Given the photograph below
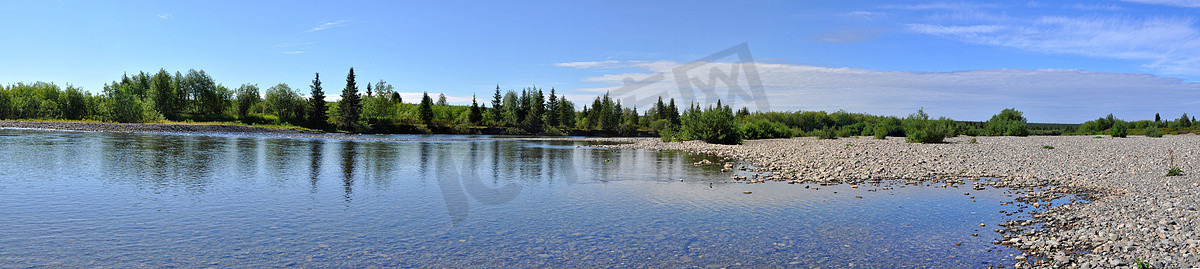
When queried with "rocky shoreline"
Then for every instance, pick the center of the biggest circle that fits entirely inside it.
(1133, 210)
(143, 127)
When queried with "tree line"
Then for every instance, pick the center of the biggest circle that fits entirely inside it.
(194, 96)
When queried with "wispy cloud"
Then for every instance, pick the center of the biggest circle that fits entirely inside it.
(953, 30)
(164, 16)
(1169, 45)
(1174, 3)
(847, 35)
(942, 6)
(1046, 95)
(608, 63)
(865, 15)
(294, 52)
(1086, 7)
(328, 25)
(291, 44)
(1163, 45)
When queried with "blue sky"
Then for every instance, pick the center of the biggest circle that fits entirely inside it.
(1059, 61)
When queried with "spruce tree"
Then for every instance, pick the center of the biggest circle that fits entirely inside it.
(497, 105)
(426, 109)
(350, 106)
(552, 114)
(396, 98)
(660, 110)
(316, 105)
(476, 113)
(673, 112)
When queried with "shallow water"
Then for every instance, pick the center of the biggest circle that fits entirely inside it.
(81, 199)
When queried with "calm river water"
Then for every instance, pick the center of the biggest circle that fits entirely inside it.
(81, 199)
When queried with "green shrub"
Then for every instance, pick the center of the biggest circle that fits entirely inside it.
(462, 128)
(713, 125)
(423, 129)
(1119, 129)
(881, 132)
(122, 107)
(627, 129)
(920, 129)
(659, 126)
(1009, 122)
(1016, 128)
(1048, 147)
(765, 129)
(551, 131)
(671, 134)
(1153, 132)
(826, 133)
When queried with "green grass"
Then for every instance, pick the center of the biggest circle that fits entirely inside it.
(1174, 171)
(1048, 147)
(1140, 264)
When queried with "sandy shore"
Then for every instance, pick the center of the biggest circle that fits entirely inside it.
(142, 127)
(1135, 210)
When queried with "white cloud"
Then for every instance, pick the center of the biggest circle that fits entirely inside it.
(587, 64)
(1093, 7)
(847, 35)
(953, 30)
(941, 6)
(1046, 95)
(291, 44)
(164, 16)
(1176, 3)
(328, 25)
(865, 15)
(1166, 45)
(294, 52)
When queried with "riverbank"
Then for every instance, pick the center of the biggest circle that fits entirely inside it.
(1135, 210)
(147, 127)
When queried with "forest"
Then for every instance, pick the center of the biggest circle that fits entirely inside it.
(195, 97)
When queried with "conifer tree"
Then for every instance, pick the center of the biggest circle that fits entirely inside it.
(316, 105)
(350, 106)
(497, 106)
(476, 113)
(552, 114)
(426, 109)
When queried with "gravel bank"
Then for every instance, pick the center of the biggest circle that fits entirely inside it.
(142, 127)
(1135, 211)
